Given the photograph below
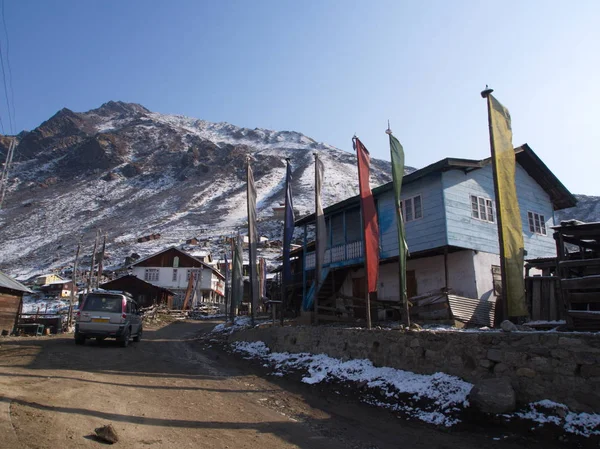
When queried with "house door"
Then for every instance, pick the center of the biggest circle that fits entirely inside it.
(359, 287)
(411, 284)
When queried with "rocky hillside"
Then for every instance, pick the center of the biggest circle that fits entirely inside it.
(132, 172)
(587, 210)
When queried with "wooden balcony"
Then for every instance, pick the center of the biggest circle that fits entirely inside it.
(338, 256)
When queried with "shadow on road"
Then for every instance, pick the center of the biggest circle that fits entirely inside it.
(165, 351)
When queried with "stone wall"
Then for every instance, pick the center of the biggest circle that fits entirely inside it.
(561, 367)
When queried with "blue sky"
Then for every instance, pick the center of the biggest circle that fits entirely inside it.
(328, 69)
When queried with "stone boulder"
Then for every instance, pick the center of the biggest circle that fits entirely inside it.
(508, 326)
(493, 396)
(107, 433)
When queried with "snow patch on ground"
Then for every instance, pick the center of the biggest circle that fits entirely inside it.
(436, 399)
(550, 412)
(54, 306)
(241, 322)
(440, 397)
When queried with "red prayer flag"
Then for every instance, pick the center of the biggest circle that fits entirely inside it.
(369, 214)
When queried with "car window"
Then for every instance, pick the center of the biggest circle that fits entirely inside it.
(102, 303)
(128, 306)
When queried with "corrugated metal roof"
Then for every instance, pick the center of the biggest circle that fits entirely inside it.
(472, 311)
(8, 282)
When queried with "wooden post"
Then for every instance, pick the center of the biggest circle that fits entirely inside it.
(74, 280)
(560, 273)
(367, 297)
(283, 297)
(304, 249)
(92, 265)
(227, 288)
(101, 263)
(318, 267)
(446, 268)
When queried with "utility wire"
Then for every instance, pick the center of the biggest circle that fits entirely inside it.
(11, 129)
(10, 86)
(10, 110)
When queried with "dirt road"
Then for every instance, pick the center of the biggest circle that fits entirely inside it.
(171, 391)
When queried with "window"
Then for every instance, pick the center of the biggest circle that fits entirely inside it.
(151, 275)
(482, 208)
(189, 272)
(103, 303)
(537, 223)
(411, 208)
(497, 280)
(174, 279)
(353, 226)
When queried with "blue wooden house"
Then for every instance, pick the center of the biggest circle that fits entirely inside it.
(450, 221)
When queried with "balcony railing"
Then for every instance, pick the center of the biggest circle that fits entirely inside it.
(338, 253)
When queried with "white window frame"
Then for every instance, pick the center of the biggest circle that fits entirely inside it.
(488, 208)
(413, 211)
(537, 223)
(151, 274)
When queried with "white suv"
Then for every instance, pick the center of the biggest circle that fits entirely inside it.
(108, 314)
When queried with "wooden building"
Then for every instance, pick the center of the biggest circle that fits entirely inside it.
(172, 268)
(578, 253)
(58, 289)
(11, 295)
(452, 234)
(46, 279)
(144, 293)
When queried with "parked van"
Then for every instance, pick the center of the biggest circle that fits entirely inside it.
(108, 314)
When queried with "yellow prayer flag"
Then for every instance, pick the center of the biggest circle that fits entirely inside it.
(509, 216)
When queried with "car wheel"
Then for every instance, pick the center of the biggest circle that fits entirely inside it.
(125, 338)
(138, 337)
(79, 339)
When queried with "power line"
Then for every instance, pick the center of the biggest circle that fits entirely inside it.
(11, 128)
(9, 110)
(10, 86)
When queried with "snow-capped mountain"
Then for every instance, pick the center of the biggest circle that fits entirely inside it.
(131, 172)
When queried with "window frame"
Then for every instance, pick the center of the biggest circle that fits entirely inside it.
(537, 220)
(413, 210)
(151, 274)
(488, 208)
(190, 271)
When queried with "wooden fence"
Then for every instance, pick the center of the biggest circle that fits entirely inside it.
(543, 298)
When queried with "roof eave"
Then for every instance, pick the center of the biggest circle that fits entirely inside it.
(560, 196)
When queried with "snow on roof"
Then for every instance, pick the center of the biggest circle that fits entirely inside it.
(201, 253)
(64, 281)
(47, 275)
(8, 282)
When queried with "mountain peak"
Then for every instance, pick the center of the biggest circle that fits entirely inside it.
(120, 107)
